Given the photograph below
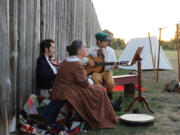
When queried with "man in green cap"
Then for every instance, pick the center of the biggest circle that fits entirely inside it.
(108, 55)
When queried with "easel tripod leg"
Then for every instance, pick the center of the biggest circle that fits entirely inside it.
(131, 104)
(144, 100)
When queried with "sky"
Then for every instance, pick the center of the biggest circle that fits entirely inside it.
(135, 18)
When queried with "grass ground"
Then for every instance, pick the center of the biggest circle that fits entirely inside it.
(165, 105)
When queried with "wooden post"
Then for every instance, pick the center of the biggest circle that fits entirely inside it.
(52, 19)
(89, 35)
(21, 53)
(154, 68)
(36, 41)
(83, 33)
(5, 82)
(47, 33)
(43, 19)
(177, 39)
(29, 46)
(158, 55)
(13, 35)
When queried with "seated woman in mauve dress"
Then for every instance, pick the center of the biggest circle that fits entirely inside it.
(71, 84)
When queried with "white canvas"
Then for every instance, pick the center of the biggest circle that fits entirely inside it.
(147, 64)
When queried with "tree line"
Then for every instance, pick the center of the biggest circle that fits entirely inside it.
(169, 45)
(118, 43)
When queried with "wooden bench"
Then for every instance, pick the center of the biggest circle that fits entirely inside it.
(129, 82)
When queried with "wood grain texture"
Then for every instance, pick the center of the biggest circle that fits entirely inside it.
(24, 23)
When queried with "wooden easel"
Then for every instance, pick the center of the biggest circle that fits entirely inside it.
(139, 98)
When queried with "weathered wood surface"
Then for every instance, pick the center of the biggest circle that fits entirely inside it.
(24, 23)
(5, 82)
(13, 54)
(36, 40)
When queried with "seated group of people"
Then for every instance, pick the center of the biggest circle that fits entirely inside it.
(71, 83)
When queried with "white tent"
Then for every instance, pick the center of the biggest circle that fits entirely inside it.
(147, 64)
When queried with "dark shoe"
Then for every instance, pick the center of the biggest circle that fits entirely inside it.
(116, 108)
(109, 95)
(119, 101)
(117, 104)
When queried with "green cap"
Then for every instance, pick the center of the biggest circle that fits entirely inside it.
(102, 36)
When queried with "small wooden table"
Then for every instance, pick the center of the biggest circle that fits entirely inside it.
(129, 82)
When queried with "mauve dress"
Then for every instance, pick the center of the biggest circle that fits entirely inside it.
(90, 101)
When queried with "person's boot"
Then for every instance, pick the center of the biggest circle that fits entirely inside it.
(109, 95)
(117, 104)
(119, 101)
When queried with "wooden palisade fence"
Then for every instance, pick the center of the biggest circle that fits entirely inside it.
(23, 24)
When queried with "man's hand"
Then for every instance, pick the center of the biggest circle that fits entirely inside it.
(55, 62)
(91, 63)
(115, 66)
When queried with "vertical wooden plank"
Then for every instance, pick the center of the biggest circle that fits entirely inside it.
(68, 28)
(61, 23)
(65, 42)
(80, 20)
(49, 18)
(58, 27)
(47, 34)
(89, 23)
(21, 54)
(29, 46)
(95, 25)
(5, 83)
(52, 19)
(13, 32)
(76, 20)
(64, 25)
(36, 41)
(43, 19)
(70, 19)
(84, 19)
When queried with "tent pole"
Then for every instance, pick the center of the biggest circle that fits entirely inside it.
(158, 54)
(177, 38)
(154, 68)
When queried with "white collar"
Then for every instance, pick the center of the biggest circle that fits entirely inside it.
(72, 58)
(52, 66)
(47, 57)
(106, 48)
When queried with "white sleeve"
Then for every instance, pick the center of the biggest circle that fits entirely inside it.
(111, 58)
(85, 60)
(92, 52)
